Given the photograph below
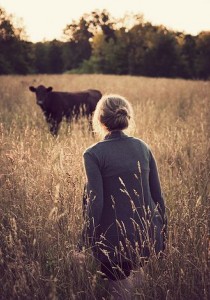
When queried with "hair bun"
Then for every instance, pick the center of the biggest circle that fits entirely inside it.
(121, 112)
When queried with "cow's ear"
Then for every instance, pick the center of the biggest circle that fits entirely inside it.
(49, 89)
(32, 89)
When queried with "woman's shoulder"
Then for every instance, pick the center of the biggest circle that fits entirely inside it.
(94, 148)
(140, 142)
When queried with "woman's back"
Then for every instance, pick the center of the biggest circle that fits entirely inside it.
(126, 204)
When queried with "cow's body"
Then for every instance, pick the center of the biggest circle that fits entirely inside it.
(57, 105)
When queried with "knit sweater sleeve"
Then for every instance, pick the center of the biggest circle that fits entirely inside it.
(94, 204)
(155, 187)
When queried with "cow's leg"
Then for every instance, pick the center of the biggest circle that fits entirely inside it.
(76, 115)
(69, 122)
(90, 122)
(54, 125)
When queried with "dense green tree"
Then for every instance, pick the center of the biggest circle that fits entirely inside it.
(102, 22)
(203, 54)
(154, 51)
(111, 44)
(78, 36)
(162, 60)
(55, 57)
(7, 37)
(41, 63)
(188, 56)
(14, 57)
(111, 55)
(139, 43)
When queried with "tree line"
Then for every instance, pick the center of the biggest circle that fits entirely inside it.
(98, 43)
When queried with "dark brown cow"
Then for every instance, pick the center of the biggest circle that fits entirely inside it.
(56, 105)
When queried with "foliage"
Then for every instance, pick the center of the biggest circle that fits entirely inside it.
(98, 43)
(55, 58)
(14, 52)
(78, 35)
(41, 63)
(202, 58)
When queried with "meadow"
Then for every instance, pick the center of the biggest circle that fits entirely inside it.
(42, 179)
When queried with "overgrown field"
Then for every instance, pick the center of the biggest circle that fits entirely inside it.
(42, 178)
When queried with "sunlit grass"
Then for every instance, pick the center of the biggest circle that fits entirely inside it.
(42, 179)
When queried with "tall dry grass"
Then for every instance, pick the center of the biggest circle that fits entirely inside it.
(42, 178)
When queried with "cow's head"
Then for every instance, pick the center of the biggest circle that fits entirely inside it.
(41, 93)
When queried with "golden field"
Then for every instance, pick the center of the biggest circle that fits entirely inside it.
(42, 179)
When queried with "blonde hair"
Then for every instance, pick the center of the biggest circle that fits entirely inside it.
(113, 112)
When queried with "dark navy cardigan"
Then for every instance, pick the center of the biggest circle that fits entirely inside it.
(124, 206)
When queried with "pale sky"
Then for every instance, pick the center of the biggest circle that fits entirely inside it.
(46, 19)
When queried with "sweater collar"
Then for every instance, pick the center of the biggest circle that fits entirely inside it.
(115, 134)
